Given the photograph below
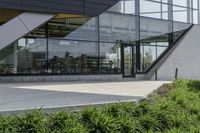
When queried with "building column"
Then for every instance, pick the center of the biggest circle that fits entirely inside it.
(198, 11)
(192, 17)
(188, 11)
(97, 35)
(15, 57)
(170, 18)
(47, 47)
(137, 30)
(161, 9)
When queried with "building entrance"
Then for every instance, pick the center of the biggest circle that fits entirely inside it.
(128, 60)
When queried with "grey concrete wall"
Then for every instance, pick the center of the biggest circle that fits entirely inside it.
(185, 56)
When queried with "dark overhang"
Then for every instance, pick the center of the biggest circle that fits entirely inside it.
(83, 7)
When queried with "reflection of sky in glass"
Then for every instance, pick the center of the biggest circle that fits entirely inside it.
(156, 9)
(180, 2)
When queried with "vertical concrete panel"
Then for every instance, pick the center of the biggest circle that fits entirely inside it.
(185, 57)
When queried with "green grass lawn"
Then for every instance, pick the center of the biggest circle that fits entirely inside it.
(177, 110)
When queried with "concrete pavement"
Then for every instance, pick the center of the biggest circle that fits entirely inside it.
(23, 96)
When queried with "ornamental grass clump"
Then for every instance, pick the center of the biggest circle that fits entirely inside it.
(142, 109)
(98, 121)
(64, 122)
(194, 85)
(33, 122)
(7, 124)
(119, 109)
(128, 124)
(123, 114)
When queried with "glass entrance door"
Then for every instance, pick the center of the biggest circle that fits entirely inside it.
(128, 60)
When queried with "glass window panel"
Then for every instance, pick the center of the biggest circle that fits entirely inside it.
(7, 59)
(110, 58)
(32, 56)
(158, 0)
(180, 2)
(162, 43)
(88, 31)
(195, 16)
(164, 7)
(129, 6)
(154, 29)
(63, 25)
(154, 11)
(178, 26)
(73, 57)
(179, 14)
(164, 1)
(165, 15)
(149, 56)
(113, 29)
(195, 4)
(179, 29)
(119, 7)
(68, 25)
(25, 56)
(160, 50)
(165, 11)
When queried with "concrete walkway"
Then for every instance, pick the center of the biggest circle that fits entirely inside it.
(22, 96)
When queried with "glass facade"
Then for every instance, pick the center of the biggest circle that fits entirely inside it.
(73, 44)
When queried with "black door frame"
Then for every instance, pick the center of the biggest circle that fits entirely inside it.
(123, 45)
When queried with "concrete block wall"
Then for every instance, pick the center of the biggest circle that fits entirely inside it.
(185, 57)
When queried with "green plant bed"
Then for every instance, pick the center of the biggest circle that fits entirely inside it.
(170, 109)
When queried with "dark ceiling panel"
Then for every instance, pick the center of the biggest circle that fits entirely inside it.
(63, 6)
(13, 4)
(83, 7)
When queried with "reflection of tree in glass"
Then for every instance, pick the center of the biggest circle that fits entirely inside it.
(25, 61)
(148, 58)
(83, 63)
(68, 62)
(127, 61)
(114, 61)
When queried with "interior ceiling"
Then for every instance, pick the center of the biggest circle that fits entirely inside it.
(67, 16)
(6, 15)
(61, 25)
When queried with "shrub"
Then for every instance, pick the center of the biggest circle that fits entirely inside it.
(175, 130)
(194, 84)
(30, 123)
(128, 124)
(148, 122)
(163, 113)
(118, 109)
(64, 122)
(98, 121)
(194, 108)
(195, 128)
(142, 109)
(7, 125)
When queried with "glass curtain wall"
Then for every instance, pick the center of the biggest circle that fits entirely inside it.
(7, 64)
(72, 44)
